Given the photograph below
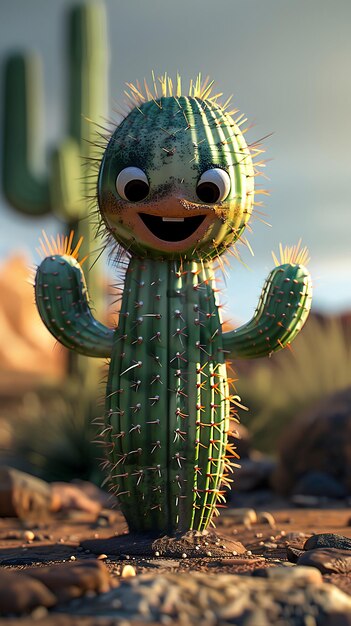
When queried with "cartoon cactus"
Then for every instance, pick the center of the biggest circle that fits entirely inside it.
(63, 190)
(175, 190)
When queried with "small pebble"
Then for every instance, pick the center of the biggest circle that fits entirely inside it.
(102, 557)
(39, 612)
(72, 558)
(157, 553)
(244, 516)
(266, 518)
(184, 556)
(128, 571)
(28, 535)
(208, 553)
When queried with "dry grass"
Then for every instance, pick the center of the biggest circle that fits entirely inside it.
(277, 390)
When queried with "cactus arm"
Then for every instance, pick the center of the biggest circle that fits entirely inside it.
(282, 310)
(63, 303)
(23, 186)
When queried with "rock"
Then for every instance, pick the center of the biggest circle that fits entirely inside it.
(208, 599)
(335, 619)
(20, 593)
(319, 441)
(308, 502)
(293, 553)
(23, 495)
(302, 573)
(72, 580)
(327, 560)
(295, 536)
(328, 540)
(254, 473)
(319, 484)
(240, 515)
(264, 517)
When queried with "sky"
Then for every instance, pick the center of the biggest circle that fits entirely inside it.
(287, 64)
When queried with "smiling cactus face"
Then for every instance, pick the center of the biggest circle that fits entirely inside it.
(176, 179)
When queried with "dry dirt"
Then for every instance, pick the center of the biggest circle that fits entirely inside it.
(265, 539)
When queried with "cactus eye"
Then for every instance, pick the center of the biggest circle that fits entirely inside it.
(132, 184)
(213, 186)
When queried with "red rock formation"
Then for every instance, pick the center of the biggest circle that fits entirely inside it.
(25, 344)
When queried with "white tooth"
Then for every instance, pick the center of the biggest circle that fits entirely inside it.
(173, 219)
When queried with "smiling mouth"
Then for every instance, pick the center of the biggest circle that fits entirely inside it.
(172, 228)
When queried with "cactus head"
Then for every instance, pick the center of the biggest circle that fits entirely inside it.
(176, 179)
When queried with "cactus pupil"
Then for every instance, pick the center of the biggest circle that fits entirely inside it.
(208, 192)
(136, 190)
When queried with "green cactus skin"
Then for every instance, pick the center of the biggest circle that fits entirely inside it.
(63, 301)
(282, 310)
(61, 191)
(167, 413)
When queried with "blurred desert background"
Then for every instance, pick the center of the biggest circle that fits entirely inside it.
(286, 64)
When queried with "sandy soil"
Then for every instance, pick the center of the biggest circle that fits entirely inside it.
(265, 539)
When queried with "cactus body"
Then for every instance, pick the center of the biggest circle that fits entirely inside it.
(167, 407)
(61, 190)
(175, 190)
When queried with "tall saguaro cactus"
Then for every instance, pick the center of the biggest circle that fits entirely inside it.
(64, 187)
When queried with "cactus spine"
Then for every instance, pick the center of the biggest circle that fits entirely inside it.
(175, 190)
(61, 190)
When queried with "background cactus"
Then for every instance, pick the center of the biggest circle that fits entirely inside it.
(175, 190)
(63, 190)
